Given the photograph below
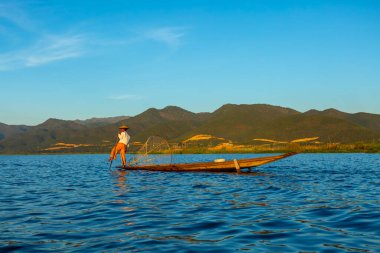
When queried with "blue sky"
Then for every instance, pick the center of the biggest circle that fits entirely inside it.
(83, 59)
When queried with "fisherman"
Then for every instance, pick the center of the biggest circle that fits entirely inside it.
(121, 146)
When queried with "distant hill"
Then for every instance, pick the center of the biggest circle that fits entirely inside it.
(367, 120)
(6, 131)
(94, 122)
(170, 122)
(239, 124)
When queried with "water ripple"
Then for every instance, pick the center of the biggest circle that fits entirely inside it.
(306, 203)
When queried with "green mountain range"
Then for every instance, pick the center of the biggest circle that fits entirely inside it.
(239, 124)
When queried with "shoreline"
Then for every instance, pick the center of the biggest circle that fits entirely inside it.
(210, 153)
(360, 147)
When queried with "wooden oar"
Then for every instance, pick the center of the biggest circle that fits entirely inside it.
(109, 168)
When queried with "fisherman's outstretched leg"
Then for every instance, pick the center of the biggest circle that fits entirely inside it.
(113, 154)
(122, 155)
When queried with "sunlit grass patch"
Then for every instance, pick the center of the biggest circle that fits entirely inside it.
(62, 145)
(305, 139)
(201, 137)
(269, 140)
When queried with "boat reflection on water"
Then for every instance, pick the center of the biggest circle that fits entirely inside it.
(122, 189)
(120, 179)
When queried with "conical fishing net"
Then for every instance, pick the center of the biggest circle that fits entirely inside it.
(156, 150)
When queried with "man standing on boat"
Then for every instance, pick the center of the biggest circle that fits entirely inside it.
(121, 146)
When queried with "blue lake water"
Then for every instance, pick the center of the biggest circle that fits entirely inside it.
(305, 203)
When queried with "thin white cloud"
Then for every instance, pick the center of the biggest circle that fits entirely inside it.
(13, 13)
(170, 36)
(126, 97)
(41, 47)
(55, 49)
(46, 50)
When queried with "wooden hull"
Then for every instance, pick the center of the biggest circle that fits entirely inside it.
(227, 166)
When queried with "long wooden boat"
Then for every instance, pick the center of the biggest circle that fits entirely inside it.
(223, 166)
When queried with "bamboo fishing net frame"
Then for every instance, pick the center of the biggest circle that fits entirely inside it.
(156, 150)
